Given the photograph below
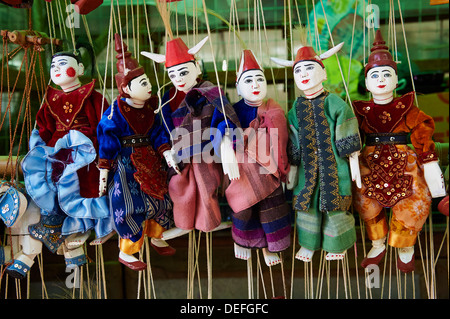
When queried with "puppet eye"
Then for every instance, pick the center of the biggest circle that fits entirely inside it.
(144, 84)
(184, 73)
(260, 79)
(172, 76)
(297, 71)
(309, 68)
(374, 76)
(62, 63)
(248, 81)
(387, 75)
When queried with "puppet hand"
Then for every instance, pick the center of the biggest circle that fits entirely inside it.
(229, 162)
(434, 179)
(292, 177)
(103, 181)
(354, 168)
(169, 155)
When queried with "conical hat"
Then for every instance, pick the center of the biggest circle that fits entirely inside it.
(248, 62)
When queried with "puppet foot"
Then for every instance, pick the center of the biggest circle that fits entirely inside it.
(334, 256)
(405, 260)
(223, 225)
(75, 257)
(304, 254)
(376, 253)
(20, 266)
(270, 258)
(5, 254)
(162, 247)
(131, 262)
(241, 252)
(77, 239)
(173, 233)
(101, 240)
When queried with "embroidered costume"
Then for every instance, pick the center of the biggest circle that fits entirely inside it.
(60, 170)
(131, 145)
(391, 171)
(324, 131)
(262, 216)
(194, 192)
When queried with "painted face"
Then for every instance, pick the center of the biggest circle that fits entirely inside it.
(184, 76)
(381, 80)
(65, 70)
(309, 75)
(139, 88)
(252, 86)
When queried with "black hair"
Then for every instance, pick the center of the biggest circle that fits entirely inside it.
(76, 54)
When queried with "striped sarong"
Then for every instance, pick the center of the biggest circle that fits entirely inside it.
(266, 224)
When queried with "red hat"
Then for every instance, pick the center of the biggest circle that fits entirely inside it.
(128, 68)
(380, 55)
(177, 53)
(248, 62)
(307, 53)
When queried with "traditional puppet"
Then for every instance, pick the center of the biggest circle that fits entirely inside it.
(60, 170)
(18, 211)
(393, 175)
(261, 217)
(197, 115)
(132, 143)
(324, 138)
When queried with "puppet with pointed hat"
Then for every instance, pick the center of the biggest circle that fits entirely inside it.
(261, 218)
(194, 105)
(393, 175)
(60, 170)
(324, 138)
(132, 144)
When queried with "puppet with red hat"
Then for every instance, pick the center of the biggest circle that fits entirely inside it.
(194, 105)
(261, 218)
(323, 150)
(132, 145)
(393, 175)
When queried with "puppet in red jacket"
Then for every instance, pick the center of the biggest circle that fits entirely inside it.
(60, 170)
(261, 218)
(393, 175)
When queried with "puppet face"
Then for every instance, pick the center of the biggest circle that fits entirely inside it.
(139, 88)
(381, 80)
(184, 76)
(252, 86)
(309, 75)
(65, 70)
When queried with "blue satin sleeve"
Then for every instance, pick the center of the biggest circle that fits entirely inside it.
(158, 133)
(108, 134)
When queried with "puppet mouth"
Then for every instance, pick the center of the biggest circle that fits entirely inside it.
(381, 86)
(181, 85)
(305, 81)
(58, 75)
(256, 92)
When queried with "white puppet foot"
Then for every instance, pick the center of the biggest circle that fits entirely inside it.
(304, 254)
(174, 233)
(241, 252)
(77, 239)
(334, 256)
(405, 260)
(101, 240)
(162, 247)
(270, 258)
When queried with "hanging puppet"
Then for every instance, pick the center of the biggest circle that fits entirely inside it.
(132, 143)
(18, 211)
(60, 170)
(324, 138)
(393, 175)
(197, 115)
(261, 217)
(84, 6)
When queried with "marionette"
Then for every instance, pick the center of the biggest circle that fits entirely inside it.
(324, 140)
(197, 115)
(84, 6)
(18, 211)
(60, 170)
(261, 217)
(393, 175)
(132, 144)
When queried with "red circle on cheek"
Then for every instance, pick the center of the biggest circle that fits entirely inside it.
(71, 72)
